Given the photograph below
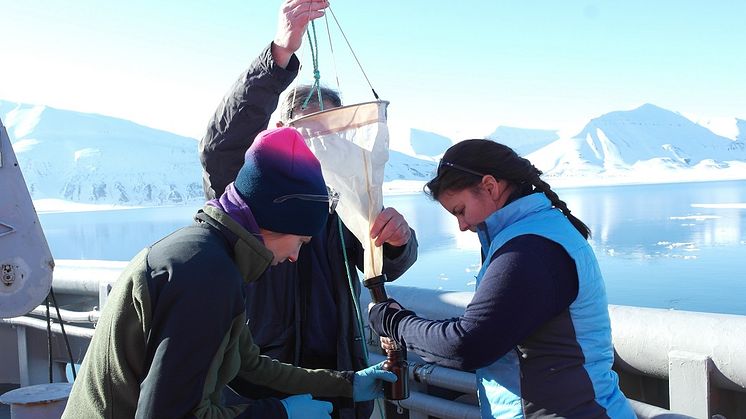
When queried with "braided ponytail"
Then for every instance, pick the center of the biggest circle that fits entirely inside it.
(544, 187)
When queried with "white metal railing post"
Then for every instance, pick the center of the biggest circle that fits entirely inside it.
(689, 383)
(23, 357)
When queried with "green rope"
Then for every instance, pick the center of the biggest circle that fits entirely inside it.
(316, 74)
(355, 301)
(358, 313)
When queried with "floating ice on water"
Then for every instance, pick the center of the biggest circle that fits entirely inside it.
(684, 257)
(733, 205)
(472, 268)
(686, 245)
(696, 217)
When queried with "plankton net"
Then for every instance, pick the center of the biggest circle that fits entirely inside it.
(352, 144)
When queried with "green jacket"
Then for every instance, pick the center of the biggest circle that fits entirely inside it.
(173, 333)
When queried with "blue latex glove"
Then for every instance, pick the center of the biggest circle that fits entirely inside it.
(367, 383)
(304, 406)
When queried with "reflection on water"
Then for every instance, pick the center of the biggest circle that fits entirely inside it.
(631, 221)
(110, 235)
(674, 246)
(670, 246)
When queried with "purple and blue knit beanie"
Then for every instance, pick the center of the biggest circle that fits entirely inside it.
(281, 182)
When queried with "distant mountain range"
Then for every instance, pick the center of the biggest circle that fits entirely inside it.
(99, 159)
(646, 144)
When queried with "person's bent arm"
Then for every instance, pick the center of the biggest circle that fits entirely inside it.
(263, 370)
(246, 109)
(516, 296)
(188, 345)
(242, 114)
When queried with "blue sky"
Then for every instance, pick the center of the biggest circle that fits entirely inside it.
(456, 68)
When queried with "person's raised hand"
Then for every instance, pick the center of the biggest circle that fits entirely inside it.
(291, 26)
(390, 227)
(303, 406)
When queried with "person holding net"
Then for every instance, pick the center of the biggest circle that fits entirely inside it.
(308, 310)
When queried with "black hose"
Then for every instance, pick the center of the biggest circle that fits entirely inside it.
(49, 340)
(64, 335)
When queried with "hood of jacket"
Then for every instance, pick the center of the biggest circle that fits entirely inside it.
(247, 247)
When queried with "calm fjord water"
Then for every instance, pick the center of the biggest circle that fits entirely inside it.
(679, 246)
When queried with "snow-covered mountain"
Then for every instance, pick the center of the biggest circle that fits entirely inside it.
(98, 159)
(428, 145)
(649, 132)
(404, 167)
(732, 128)
(90, 158)
(645, 144)
(523, 140)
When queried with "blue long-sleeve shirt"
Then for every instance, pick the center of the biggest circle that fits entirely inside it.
(529, 281)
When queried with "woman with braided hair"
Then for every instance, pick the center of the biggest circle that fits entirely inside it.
(537, 329)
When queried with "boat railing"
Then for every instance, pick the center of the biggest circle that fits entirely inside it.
(671, 363)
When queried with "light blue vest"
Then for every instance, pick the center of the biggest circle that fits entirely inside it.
(499, 384)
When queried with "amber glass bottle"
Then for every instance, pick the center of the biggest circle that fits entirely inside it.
(396, 359)
(396, 362)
